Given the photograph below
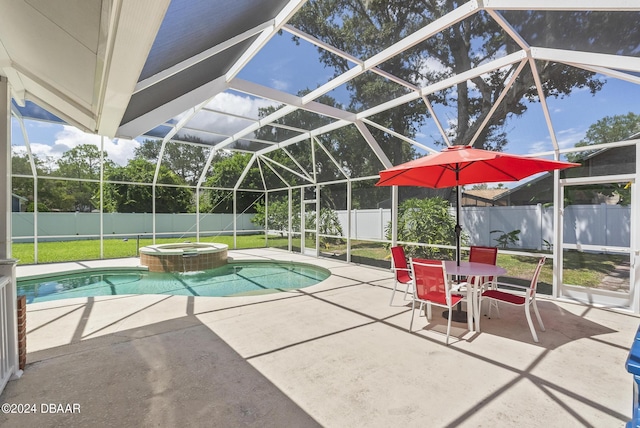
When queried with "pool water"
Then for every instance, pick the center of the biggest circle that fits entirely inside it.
(233, 279)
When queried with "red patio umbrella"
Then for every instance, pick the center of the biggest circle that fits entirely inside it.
(460, 165)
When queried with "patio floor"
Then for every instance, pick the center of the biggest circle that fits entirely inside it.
(335, 355)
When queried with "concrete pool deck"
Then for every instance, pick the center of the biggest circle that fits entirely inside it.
(334, 355)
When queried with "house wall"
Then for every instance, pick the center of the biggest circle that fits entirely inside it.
(613, 161)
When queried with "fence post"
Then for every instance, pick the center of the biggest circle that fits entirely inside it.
(541, 229)
(355, 223)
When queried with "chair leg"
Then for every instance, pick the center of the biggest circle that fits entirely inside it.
(393, 293)
(477, 311)
(449, 325)
(406, 291)
(413, 308)
(535, 309)
(473, 295)
(495, 304)
(527, 313)
(428, 312)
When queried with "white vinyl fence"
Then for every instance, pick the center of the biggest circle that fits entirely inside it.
(603, 224)
(584, 224)
(58, 225)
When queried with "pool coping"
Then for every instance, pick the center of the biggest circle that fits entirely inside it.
(133, 269)
(82, 270)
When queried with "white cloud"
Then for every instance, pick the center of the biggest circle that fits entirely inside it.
(566, 138)
(238, 104)
(432, 65)
(119, 150)
(569, 137)
(539, 146)
(243, 106)
(52, 145)
(280, 85)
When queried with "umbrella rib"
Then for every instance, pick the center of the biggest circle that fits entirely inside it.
(513, 178)
(392, 177)
(437, 180)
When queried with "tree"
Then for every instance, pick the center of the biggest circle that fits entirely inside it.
(481, 186)
(122, 194)
(186, 160)
(278, 219)
(81, 162)
(20, 163)
(52, 194)
(609, 129)
(329, 225)
(347, 146)
(361, 27)
(427, 221)
(278, 216)
(225, 173)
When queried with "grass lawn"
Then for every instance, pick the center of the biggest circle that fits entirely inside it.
(64, 251)
(580, 268)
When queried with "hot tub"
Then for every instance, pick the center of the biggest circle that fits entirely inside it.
(183, 257)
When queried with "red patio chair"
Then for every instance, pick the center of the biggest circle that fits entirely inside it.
(487, 255)
(527, 299)
(402, 271)
(479, 254)
(432, 287)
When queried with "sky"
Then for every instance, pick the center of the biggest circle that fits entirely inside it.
(288, 67)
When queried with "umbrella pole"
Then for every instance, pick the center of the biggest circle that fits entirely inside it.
(458, 227)
(458, 315)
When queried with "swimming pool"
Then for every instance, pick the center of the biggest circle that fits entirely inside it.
(233, 279)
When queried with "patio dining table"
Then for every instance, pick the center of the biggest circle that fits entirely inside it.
(475, 272)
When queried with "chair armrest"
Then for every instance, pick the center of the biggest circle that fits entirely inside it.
(516, 286)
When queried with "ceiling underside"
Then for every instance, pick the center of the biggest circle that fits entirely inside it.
(162, 68)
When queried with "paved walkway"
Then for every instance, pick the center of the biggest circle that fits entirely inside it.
(618, 279)
(335, 355)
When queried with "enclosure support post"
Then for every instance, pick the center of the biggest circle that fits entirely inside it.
(317, 189)
(558, 220)
(5, 167)
(235, 220)
(302, 221)
(266, 219)
(34, 175)
(198, 212)
(348, 221)
(101, 197)
(153, 213)
(289, 223)
(394, 216)
(9, 359)
(634, 274)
